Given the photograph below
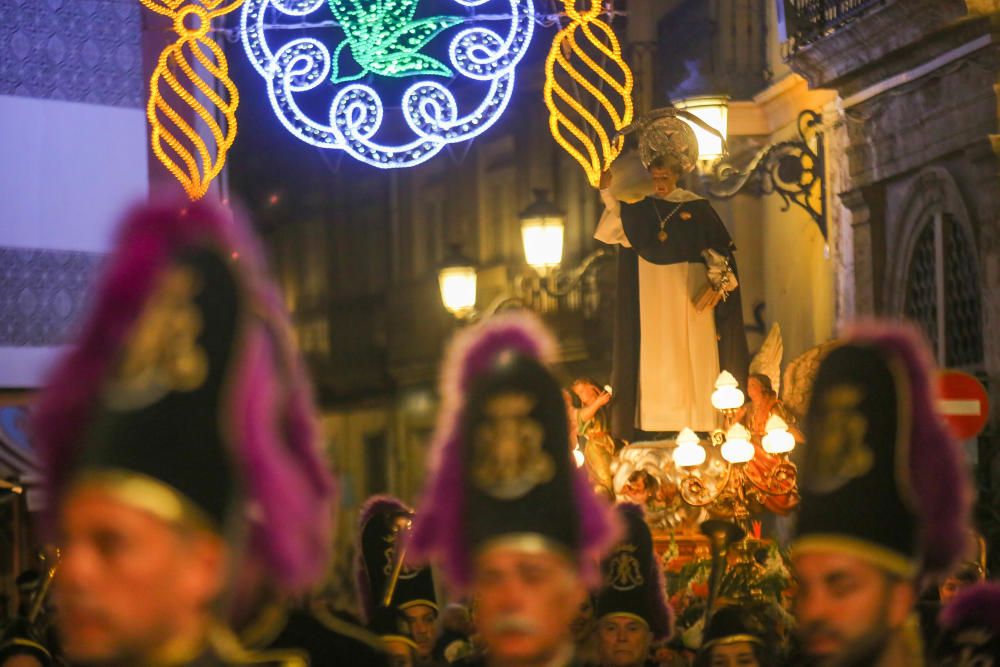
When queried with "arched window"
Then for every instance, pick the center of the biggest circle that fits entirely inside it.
(943, 293)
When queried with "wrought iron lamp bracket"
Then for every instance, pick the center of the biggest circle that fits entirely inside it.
(557, 282)
(793, 170)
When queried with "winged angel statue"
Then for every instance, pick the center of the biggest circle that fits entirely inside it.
(357, 48)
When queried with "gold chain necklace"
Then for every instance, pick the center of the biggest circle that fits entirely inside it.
(662, 234)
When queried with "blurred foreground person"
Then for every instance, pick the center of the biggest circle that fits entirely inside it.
(970, 628)
(179, 447)
(631, 609)
(885, 500)
(398, 600)
(509, 516)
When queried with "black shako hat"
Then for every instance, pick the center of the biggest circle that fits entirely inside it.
(732, 624)
(883, 479)
(632, 579)
(382, 569)
(185, 397)
(168, 392)
(501, 468)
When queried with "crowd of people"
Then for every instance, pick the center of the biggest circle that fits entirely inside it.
(192, 506)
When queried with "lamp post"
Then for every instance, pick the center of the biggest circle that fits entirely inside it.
(457, 282)
(713, 110)
(734, 495)
(542, 232)
(795, 170)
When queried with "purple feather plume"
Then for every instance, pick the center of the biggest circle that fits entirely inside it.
(976, 605)
(941, 489)
(439, 528)
(374, 506)
(271, 408)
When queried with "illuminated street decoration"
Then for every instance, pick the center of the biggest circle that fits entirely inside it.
(186, 73)
(587, 140)
(385, 40)
(382, 41)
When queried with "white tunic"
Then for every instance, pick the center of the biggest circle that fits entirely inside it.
(678, 348)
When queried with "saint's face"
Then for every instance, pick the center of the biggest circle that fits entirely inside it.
(130, 585)
(623, 641)
(846, 607)
(525, 603)
(664, 181)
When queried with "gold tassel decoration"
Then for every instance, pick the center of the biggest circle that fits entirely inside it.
(185, 75)
(576, 128)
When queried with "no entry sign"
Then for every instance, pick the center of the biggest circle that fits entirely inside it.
(963, 403)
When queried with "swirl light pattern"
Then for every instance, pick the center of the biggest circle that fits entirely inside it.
(385, 42)
(180, 79)
(575, 127)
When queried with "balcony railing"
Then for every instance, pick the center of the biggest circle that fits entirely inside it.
(809, 20)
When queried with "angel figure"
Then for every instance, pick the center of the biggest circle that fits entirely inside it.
(762, 391)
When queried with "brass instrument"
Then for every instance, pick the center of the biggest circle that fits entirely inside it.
(721, 535)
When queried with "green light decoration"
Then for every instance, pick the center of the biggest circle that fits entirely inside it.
(385, 40)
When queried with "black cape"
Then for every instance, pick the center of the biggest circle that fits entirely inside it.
(687, 238)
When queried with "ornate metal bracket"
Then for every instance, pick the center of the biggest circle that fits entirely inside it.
(557, 282)
(792, 169)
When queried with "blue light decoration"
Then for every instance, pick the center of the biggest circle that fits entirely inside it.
(382, 42)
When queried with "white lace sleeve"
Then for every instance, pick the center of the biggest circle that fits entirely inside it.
(609, 227)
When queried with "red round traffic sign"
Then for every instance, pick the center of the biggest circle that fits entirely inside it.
(963, 403)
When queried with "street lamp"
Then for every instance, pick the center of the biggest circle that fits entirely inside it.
(542, 230)
(713, 110)
(457, 282)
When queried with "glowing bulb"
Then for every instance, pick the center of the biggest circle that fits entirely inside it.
(727, 395)
(778, 440)
(458, 288)
(714, 111)
(578, 457)
(543, 242)
(737, 448)
(689, 452)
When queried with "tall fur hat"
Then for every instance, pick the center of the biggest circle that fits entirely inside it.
(494, 375)
(883, 477)
(183, 393)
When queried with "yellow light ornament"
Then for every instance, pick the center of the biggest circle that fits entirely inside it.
(566, 113)
(180, 75)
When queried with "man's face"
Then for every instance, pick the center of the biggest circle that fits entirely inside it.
(421, 619)
(525, 603)
(623, 641)
(847, 608)
(129, 583)
(664, 181)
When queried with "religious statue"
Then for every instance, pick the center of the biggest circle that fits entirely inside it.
(678, 318)
(593, 432)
